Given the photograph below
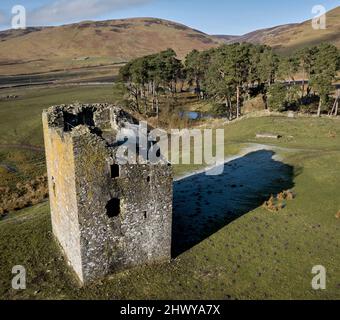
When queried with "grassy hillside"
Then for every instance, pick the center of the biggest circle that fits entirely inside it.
(290, 37)
(88, 44)
(94, 43)
(258, 255)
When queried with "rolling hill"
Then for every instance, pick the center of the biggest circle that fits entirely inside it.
(112, 42)
(287, 38)
(93, 43)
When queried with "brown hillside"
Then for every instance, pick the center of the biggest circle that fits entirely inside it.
(88, 44)
(289, 37)
(94, 43)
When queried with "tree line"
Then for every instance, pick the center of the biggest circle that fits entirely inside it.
(232, 74)
(150, 77)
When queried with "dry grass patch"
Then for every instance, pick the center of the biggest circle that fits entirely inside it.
(338, 215)
(278, 202)
(23, 195)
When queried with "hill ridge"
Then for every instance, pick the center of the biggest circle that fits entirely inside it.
(94, 43)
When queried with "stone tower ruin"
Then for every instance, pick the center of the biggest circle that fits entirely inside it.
(106, 216)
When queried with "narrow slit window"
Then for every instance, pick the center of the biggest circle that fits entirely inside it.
(54, 187)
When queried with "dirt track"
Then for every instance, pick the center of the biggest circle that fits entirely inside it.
(23, 146)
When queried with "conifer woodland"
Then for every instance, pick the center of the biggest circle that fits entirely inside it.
(230, 75)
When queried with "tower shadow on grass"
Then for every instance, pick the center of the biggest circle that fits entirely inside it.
(204, 204)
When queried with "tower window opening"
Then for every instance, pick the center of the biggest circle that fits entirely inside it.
(86, 117)
(53, 186)
(113, 208)
(115, 171)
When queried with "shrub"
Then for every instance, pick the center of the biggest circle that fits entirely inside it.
(23, 195)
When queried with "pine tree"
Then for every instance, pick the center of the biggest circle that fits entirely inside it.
(326, 63)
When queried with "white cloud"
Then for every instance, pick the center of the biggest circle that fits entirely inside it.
(62, 11)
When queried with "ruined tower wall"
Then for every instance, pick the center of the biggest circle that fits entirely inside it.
(62, 189)
(107, 216)
(100, 235)
(147, 223)
(141, 231)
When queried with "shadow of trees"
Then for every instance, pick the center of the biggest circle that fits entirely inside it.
(204, 204)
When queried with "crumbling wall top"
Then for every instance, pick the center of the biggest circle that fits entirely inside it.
(103, 117)
(104, 123)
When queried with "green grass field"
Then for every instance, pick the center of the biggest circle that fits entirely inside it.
(21, 125)
(259, 255)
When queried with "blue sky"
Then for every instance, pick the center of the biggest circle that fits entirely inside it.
(213, 16)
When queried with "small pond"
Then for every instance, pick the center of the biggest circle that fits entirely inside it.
(193, 115)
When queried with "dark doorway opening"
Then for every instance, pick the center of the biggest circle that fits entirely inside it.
(115, 171)
(113, 208)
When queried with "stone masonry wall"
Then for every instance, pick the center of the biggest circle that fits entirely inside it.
(62, 189)
(79, 164)
(141, 233)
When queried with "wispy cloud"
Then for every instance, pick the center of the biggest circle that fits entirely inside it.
(62, 11)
